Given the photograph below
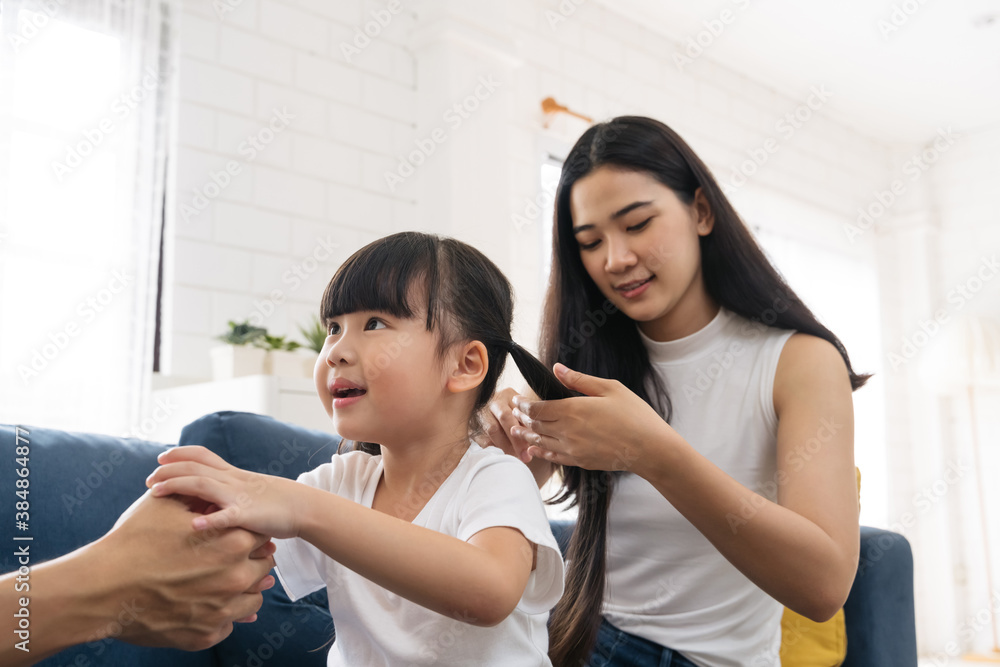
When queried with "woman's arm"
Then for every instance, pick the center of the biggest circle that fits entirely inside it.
(801, 550)
(479, 581)
(151, 581)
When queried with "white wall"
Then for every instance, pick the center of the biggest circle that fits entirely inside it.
(325, 173)
(260, 246)
(937, 249)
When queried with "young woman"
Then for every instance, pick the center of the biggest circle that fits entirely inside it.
(433, 550)
(710, 449)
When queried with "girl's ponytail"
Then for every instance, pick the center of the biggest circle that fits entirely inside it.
(577, 616)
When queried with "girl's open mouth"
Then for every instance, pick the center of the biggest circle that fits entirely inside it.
(344, 396)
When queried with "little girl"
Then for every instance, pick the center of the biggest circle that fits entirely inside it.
(434, 551)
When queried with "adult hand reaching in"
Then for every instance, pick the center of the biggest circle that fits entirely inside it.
(151, 580)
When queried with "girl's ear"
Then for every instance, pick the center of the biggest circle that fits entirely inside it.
(469, 369)
(704, 216)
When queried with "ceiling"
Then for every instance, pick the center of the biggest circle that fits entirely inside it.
(939, 66)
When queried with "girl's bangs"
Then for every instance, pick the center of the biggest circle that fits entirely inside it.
(381, 277)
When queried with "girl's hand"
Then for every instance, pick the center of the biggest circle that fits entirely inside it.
(259, 503)
(610, 428)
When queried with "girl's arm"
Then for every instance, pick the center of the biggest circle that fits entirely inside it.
(801, 550)
(479, 582)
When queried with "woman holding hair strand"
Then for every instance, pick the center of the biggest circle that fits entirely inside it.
(710, 445)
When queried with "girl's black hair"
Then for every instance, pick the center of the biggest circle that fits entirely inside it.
(466, 296)
(582, 330)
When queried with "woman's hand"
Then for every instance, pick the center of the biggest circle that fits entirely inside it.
(498, 420)
(609, 428)
(260, 503)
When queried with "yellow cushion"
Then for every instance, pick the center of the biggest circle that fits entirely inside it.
(806, 643)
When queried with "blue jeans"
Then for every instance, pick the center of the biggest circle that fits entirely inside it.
(615, 648)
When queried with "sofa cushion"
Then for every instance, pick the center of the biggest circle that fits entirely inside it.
(285, 633)
(79, 484)
(261, 444)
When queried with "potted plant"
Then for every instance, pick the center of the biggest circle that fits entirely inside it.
(240, 356)
(281, 356)
(315, 337)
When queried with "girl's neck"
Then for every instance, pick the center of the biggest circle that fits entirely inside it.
(413, 471)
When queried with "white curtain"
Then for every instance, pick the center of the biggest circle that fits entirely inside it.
(85, 89)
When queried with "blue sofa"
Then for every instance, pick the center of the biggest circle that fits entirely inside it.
(81, 483)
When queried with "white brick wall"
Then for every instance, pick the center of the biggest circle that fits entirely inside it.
(319, 177)
(354, 119)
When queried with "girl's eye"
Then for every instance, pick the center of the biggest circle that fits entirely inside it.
(374, 321)
(590, 246)
(332, 329)
(635, 228)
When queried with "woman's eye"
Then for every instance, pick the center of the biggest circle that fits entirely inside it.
(635, 228)
(374, 323)
(590, 246)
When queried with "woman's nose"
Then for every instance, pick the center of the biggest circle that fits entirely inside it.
(620, 256)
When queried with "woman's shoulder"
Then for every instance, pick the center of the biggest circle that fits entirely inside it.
(806, 364)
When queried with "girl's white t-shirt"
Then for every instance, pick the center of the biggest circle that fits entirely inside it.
(666, 582)
(377, 627)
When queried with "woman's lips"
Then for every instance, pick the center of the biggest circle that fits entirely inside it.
(634, 289)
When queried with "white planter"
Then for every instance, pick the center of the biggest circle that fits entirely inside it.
(286, 364)
(233, 361)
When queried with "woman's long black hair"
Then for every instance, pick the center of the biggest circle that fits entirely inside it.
(466, 296)
(583, 331)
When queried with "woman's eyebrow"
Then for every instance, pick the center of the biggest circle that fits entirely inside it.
(616, 215)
